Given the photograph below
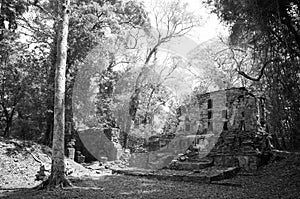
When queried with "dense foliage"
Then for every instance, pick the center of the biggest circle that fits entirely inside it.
(28, 54)
(269, 31)
(114, 40)
(110, 42)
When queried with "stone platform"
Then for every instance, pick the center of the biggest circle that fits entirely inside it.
(191, 166)
(206, 175)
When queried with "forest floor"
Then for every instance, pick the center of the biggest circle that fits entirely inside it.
(279, 179)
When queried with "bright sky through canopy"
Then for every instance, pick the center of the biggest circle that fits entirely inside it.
(211, 27)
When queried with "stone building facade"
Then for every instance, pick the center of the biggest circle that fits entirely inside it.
(225, 125)
(220, 128)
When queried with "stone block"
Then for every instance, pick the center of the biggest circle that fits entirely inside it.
(71, 153)
(229, 161)
(81, 159)
(103, 159)
(248, 163)
(191, 166)
(218, 160)
(243, 162)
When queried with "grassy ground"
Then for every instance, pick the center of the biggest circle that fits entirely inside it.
(279, 179)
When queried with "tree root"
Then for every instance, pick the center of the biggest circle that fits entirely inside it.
(54, 183)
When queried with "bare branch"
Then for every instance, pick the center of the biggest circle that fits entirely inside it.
(261, 70)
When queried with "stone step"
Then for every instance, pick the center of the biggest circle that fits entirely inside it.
(207, 175)
(191, 166)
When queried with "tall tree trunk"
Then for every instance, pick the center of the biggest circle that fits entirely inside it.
(7, 128)
(8, 119)
(134, 99)
(69, 99)
(57, 177)
(49, 102)
(48, 136)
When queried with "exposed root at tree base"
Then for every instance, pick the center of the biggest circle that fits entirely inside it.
(54, 183)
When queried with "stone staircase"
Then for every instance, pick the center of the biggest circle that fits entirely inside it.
(202, 176)
(191, 166)
(200, 171)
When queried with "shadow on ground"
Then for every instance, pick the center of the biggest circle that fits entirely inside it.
(279, 180)
(119, 186)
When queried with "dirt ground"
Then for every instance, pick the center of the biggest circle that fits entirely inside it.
(279, 179)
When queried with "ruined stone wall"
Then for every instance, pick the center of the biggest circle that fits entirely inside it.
(220, 126)
(235, 145)
(95, 145)
(224, 124)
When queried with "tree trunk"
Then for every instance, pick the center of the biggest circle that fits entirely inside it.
(8, 120)
(134, 99)
(7, 127)
(48, 136)
(57, 177)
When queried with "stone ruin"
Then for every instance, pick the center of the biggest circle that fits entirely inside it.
(93, 144)
(229, 128)
(223, 128)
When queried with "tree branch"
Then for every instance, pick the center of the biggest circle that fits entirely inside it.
(261, 70)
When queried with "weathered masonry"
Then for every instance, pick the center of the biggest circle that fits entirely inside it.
(223, 128)
(226, 125)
